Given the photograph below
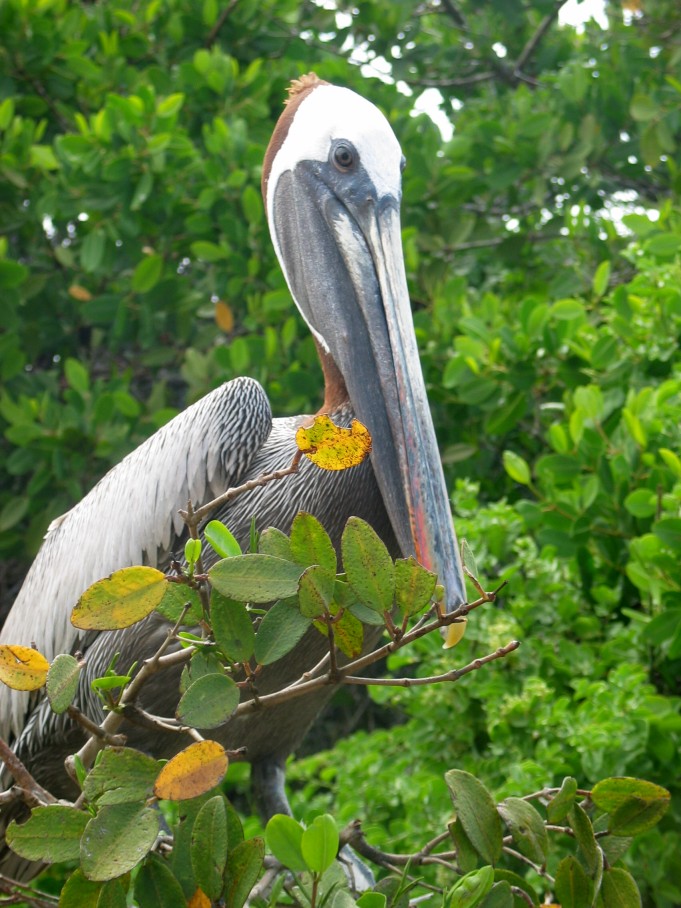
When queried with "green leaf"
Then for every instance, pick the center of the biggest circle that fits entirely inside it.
(280, 630)
(62, 682)
(92, 251)
(619, 889)
(601, 279)
(310, 543)
(173, 601)
(372, 900)
(117, 839)
(470, 890)
(526, 827)
(668, 530)
(169, 106)
(256, 578)
(561, 803)
(573, 888)
(283, 835)
(251, 202)
(466, 855)
(477, 812)
(274, 542)
(14, 512)
(319, 843)
(348, 632)
(147, 274)
(156, 885)
(120, 600)
(565, 310)
(120, 776)
(643, 107)
(50, 834)
(232, 627)
(368, 566)
(641, 502)
(208, 702)
(192, 551)
(77, 375)
(315, 591)
(414, 586)
(634, 805)
(242, 871)
(209, 846)
(516, 467)
(584, 834)
(499, 896)
(209, 252)
(221, 540)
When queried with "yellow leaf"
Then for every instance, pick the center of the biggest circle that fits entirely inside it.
(199, 900)
(194, 771)
(82, 294)
(120, 600)
(331, 447)
(224, 317)
(455, 633)
(22, 668)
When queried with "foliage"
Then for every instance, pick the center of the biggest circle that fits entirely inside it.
(542, 243)
(112, 832)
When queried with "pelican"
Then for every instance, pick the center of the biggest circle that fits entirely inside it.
(331, 186)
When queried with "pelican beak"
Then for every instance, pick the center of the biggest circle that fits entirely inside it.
(348, 279)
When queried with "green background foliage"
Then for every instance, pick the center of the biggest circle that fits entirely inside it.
(543, 249)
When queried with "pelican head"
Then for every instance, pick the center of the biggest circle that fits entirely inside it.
(332, 190)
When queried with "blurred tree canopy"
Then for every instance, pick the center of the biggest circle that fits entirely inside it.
(542, 236)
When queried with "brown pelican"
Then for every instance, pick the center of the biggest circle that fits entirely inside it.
(332, 186)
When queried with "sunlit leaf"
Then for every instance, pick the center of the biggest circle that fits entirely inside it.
(195, 770)
(116, 840)
(22, 668)
(50, 834)
(332, 447)
(120, 600)
(256, 578)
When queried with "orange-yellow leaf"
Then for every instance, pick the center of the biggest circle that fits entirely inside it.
(22, 668)
(120, 600)
(82, 294)
(332, 447)
(193, 772)
(199, 900)
(454, 633)
(224, 317)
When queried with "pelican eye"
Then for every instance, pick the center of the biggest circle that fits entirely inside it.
(344, 156)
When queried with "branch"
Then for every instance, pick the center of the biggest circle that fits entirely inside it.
(25, 894)
(453, 675)
(222, 18)
(532, 44)
(194, 517)
(32, 792)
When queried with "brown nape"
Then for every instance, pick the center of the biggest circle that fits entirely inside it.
(298, 90)
(335, 392)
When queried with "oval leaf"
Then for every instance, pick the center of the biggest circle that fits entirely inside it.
(311, 544)
(50, 834)
(22, 668)
(516, 467)
(156, 885)
(221, 539)
(331, 447)
(414, 586)
(477, 812)
(283, 835)
(174, 599)
(243, 868)
(121, 775)
(232, 627)
(194, 771)
(527, 828)
(315, 591)
(470, 889)
(619, 889)
(62, 682)
(573, 887)
(280, 630)
(560, 804)
(319, 843)
(120, 600)
(256, 578)
(634, 805)
(208, 702)
(117, 839)
(209, 846)
(368, 566)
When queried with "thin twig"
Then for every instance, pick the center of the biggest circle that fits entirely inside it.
(195, 517)
(32, 792)
(93, 729)
(25, 894)
(222, 18)
(534, 40)
(453, 675)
